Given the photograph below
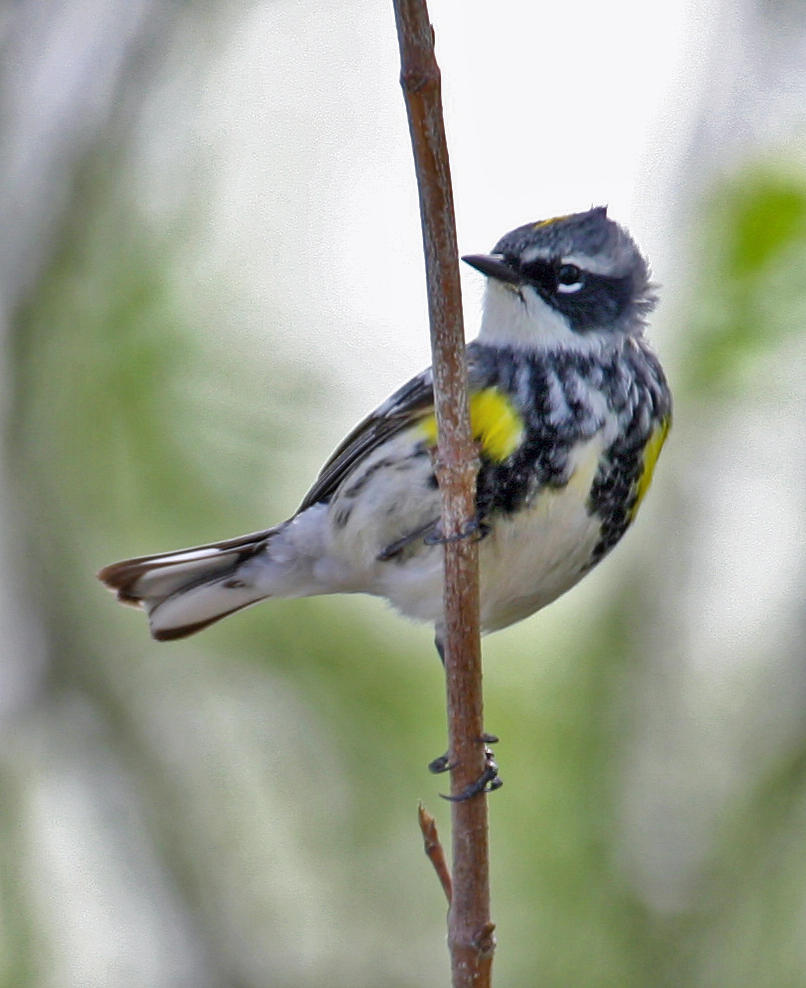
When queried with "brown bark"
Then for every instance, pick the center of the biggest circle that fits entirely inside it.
(470, 932)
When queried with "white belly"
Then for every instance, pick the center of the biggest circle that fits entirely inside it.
(532, 560)
(526, 561)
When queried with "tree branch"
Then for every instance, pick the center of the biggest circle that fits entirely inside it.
(470, 936)
(434, 851)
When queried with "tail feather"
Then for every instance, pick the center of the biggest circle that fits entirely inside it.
(185, 591)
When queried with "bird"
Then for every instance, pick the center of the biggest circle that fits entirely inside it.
(569, 409)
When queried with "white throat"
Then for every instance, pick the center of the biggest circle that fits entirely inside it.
(525, 322)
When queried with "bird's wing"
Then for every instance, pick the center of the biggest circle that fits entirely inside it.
(406, 406)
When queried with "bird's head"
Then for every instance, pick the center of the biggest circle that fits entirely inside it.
(574, 281)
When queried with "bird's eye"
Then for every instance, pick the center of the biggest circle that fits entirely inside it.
(569, 278)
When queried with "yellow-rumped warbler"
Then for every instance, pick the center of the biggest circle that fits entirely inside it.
(568, 405)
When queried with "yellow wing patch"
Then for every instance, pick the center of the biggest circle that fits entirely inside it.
(494, 421)
(651, 454)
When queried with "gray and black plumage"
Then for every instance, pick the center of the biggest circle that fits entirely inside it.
(569, 406)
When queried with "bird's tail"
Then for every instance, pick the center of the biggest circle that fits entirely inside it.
(183, 592)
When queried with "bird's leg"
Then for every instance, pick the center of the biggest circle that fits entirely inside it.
(474, 528)
(489, 780)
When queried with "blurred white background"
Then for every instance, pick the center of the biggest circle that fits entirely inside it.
(211, 268)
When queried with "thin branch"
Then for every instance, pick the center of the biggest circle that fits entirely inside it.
(469, 928)
(433, 850)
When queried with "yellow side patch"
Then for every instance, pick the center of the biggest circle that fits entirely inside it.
(494, 421)
(651, 454)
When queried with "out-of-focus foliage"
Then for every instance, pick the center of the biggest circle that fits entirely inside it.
(240, 809)
(748, 275)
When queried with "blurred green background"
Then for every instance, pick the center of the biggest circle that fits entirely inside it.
(209, 270)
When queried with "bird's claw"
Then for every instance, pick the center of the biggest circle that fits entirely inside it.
(488, 781)
(441, 764)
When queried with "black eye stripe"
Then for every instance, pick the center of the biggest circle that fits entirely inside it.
(551, 274)
(585, 299)
(541, 272)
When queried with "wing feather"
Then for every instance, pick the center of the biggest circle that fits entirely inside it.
(409, 404)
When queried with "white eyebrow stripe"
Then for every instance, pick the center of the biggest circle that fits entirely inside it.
(588, 264)
(535, 254)
(583, 261)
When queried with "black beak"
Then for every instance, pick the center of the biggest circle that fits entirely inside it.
(494, 266)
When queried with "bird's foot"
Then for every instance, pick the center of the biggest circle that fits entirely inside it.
(488, 781)
(474, 529)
